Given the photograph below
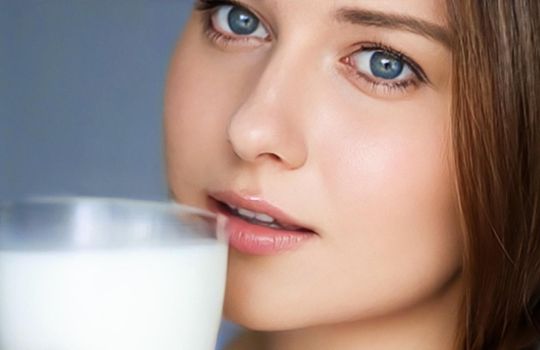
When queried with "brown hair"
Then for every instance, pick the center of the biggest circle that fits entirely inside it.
(496, 135)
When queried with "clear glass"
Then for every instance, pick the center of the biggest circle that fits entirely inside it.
(108, 274)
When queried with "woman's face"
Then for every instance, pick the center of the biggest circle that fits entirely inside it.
(334, 116)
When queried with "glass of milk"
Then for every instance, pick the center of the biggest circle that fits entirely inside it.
(106, 274)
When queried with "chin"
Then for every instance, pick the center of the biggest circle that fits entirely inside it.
(271, 317)
(253, 317)
(259, 323)
(259, 317)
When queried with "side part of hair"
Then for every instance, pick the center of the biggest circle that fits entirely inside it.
(496, 136)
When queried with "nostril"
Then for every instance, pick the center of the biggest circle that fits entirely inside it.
(270, 156)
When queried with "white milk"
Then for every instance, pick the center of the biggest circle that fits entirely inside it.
(145, 299)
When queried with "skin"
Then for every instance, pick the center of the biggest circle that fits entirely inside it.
(369, 169)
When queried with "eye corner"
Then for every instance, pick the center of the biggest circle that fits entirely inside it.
(346, 60)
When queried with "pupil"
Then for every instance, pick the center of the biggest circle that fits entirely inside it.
(242, 22)
(385, 66)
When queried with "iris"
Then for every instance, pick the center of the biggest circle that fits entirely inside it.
(242, 22)
(385, 66)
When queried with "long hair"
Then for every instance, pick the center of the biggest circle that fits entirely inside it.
(496, 147)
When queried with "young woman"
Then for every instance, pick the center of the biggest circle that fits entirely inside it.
(379, 164)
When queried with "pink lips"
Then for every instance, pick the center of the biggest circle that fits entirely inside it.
(258, 238)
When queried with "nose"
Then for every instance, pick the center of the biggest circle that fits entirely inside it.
(268, 124)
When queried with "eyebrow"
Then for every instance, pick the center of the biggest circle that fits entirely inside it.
(395, 21)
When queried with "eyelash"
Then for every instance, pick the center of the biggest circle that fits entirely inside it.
(387, 88)
(203, 5)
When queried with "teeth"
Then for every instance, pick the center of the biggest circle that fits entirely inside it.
(252, 215)
(264, 218)
(246, 213)
(231, 206)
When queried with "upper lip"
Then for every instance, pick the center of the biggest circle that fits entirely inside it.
(257, 204)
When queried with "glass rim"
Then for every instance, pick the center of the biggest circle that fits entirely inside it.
(67, 200)
(90, 223)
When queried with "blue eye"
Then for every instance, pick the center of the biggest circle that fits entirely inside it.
(385, 66)
(242, 22)
(238, 21)
(382, 65)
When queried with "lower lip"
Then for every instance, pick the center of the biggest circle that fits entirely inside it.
(255, 239)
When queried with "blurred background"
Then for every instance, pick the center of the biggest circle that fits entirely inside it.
(81, 89)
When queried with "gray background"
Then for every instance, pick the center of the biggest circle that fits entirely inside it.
(81, 85)
(81, 95)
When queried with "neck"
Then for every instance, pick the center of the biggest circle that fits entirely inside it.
(426, 326)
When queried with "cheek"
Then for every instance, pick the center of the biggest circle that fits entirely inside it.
(388, 168)
(197, 111)
(390, 193)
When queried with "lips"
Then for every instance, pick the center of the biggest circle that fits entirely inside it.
(257, 227)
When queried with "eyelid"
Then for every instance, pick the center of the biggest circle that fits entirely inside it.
(203, 5)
